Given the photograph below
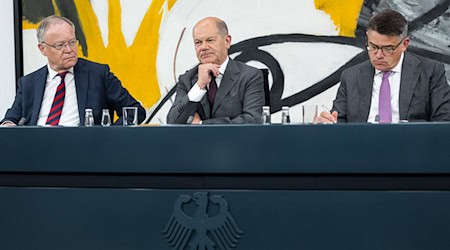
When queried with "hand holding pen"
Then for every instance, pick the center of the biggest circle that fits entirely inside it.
(327, 116)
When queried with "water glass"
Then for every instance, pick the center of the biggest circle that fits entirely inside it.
(309, 114)
(130, 115)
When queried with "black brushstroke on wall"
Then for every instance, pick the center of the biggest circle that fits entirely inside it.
(250, 50)
(35, 10)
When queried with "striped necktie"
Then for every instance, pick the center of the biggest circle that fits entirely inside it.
(58, 102)
(384, 101)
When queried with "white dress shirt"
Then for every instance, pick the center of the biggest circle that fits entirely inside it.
(196, 94)
(394, 82)
(69, 115)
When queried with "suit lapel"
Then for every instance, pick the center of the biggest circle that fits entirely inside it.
(408, 82)
(39, 83)
(227, 83)
(365, 87)
(81, 86)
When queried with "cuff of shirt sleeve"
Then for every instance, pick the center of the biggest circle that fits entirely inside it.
(7, 122)
(196, 94)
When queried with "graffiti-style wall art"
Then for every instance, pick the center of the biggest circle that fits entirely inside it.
(304, 44)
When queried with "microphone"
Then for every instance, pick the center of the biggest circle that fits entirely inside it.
(22, 121)
(190, 119)
(377, 119)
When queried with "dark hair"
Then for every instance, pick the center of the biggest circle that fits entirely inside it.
(390, 23)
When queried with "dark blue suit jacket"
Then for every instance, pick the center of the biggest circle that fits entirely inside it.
(97, 88)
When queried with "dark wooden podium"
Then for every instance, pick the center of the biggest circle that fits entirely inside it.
(354, 186)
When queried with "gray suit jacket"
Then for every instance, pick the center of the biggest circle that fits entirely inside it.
(424, 91)
(239, 98)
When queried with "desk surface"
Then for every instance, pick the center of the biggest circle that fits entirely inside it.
(287, 187)
(347, 148)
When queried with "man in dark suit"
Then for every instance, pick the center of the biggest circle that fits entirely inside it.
(394, 85)
(219, 90)
(59, 93)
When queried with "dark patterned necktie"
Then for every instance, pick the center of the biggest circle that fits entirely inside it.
(58, 102)
(384, 101)
(212, 90)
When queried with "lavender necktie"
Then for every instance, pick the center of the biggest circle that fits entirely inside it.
(384, 102)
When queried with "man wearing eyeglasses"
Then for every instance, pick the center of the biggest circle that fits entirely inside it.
(59, 93)
(394, 85)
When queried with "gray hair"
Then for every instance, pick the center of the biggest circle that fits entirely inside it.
(222, 27)
(46, 22)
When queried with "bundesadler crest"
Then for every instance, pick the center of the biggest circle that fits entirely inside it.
(202, 231)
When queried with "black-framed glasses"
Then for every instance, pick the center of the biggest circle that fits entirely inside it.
(386, 50)
(59, 46)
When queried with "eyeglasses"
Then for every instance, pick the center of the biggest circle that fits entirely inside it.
(59, 46)
(386, 50)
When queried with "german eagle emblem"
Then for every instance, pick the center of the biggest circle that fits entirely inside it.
(201, 231)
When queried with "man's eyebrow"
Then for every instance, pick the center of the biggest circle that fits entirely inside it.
(385, 46)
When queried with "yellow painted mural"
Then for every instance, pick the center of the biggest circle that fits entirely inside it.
(343, 13)
(135, 65)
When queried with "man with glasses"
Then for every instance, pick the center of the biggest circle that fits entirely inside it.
(394, 85)
(59, 93)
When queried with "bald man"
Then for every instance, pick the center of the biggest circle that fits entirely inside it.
(218, 90)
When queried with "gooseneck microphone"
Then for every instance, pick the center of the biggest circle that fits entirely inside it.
(22, 121)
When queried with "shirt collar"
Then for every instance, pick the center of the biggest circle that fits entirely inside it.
(223, 67)
(396, 69)
(52, 74)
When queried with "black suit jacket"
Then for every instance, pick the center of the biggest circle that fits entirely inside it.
(239, 98)
(97, 88)
(424, 91)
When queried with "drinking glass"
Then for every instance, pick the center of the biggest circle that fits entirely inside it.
(129, 116)
(309, 114)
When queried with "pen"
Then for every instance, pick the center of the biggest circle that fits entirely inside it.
(327, 110)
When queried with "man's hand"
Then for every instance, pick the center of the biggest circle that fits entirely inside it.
(8, 124)
(206, 72)
(326, 117)
(196, 119)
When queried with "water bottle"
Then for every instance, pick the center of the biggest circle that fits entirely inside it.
(265, 117)
(106, 118)
(285, 118)
(88, 118)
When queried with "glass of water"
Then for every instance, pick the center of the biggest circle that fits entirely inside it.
(130, 115)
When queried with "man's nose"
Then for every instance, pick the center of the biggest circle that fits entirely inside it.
(67, 48)
(379, 53)
(204, 46)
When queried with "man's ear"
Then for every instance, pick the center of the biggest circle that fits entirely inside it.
(228, 40)
(42, 49)
(405, 44)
